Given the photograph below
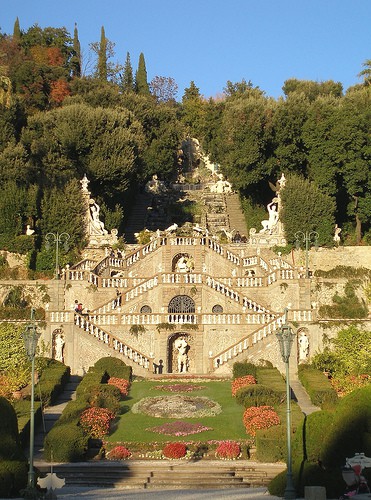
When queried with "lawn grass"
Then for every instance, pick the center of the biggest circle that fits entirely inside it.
(227, 425)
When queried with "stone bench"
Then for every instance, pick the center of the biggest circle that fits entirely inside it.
(315, 493)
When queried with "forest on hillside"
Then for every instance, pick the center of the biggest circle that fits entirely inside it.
(57, 124)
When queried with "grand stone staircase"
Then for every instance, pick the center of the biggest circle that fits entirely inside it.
(204, 474)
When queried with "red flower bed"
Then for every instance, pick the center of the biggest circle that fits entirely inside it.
(96, 421)
(118, 453)
(228, 450)
(259, 417)
(121, 383)
(175, 450)
(242, 382)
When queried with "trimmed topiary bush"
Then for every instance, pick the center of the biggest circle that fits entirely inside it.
(65, 443)
(318, 387)
(271, 444)
(13, 477)
(244, 368)
(258, 395)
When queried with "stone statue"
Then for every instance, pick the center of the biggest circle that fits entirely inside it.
(155, 186)
(59, 345)
(96, 223)
(303, 347)
(182, 346)
(84, 184)
(270, 224)
(337, 234)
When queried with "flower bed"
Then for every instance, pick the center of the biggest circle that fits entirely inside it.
(259, 417)
(228, 450)
(96, 421)
(177, 406)
(239, 382)
(120, 383)
(118, 453)
(178, 387)
(175, 450)
(179, 428)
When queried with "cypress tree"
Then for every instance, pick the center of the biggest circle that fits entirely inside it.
(141, 84)
(17, 31)
(76, 58)
(127, 81)
(102, 57)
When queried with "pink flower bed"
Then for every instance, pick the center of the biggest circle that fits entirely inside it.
(259, 417)
(179, 428)
(178, 387)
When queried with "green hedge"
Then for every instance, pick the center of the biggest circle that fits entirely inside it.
(13, 477)
(242, 369)
(258, 395)
(271, 444)
(65, 443)
(54, 377)
(271, 377)
(318, 387)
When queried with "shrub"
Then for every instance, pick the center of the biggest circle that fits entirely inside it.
(96, 421)
(114, 367)
(13, 477)
(317, 386)
(271, 444)
(105, 396)
(175, 450)
(73, 411)
(65, 443)
(118, 453)
(259, 417)
(242, 369)
(313, 434)
(122, 384)
(228, 450)
(258, 395)
(239, 382)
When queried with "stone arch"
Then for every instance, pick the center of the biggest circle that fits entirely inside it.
(181, 304)
(182, 263)
(217, 309)
(172, 352)
(146, 309)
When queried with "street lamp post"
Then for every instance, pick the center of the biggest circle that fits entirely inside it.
(31, 338)
(285, 338)
(308, 237)
(57, 239)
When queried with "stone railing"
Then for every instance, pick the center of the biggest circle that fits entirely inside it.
(153, 319)
(245, 343)
(116, 344)
(60, 316)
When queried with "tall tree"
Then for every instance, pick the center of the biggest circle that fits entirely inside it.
(102, 57)
(305, 208)
(17, 31)
(127, 80)
(193, 110)
(76, 58)
(141, 83)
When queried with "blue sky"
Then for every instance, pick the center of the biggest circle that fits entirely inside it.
(213, 41)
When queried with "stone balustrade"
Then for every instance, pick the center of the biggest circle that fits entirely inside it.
(246, 342)
(107, 338)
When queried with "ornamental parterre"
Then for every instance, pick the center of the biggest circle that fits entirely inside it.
(177, 406)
